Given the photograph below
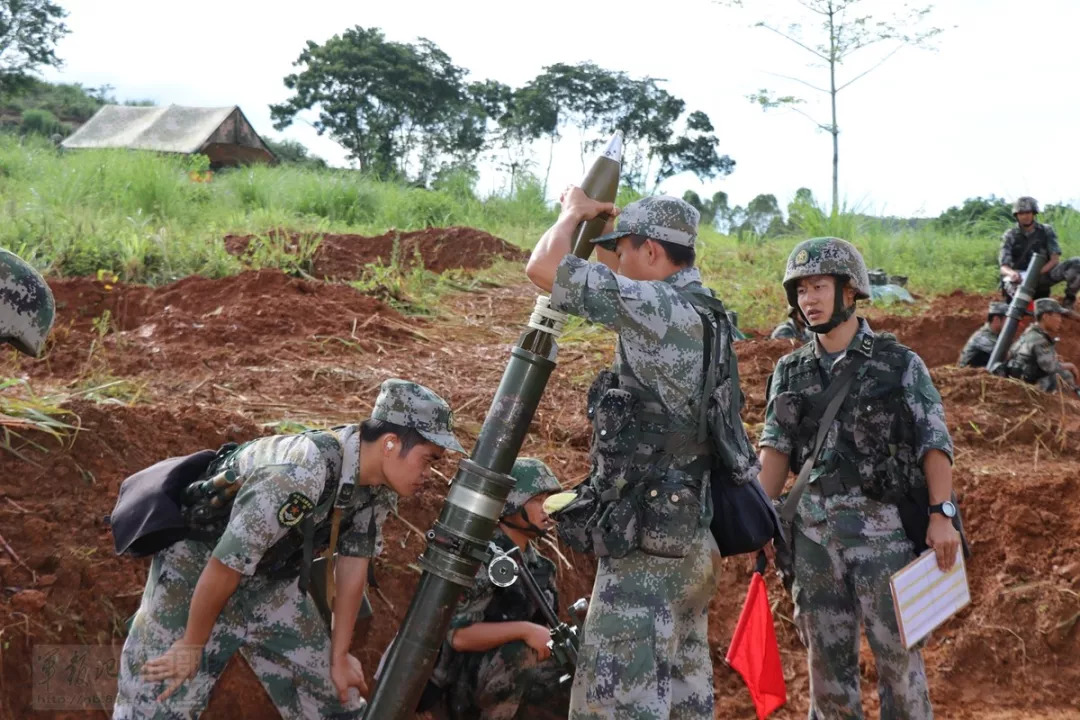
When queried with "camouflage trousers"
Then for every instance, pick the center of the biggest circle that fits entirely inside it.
(842, 570)
(275, 627)
(645, 644)
(1052, 382)
(1067, 271)
(509, 682)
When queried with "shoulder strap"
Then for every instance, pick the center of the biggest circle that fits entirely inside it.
(838, 389)
(710, 308)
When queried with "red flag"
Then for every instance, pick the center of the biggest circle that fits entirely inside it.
(754, 653)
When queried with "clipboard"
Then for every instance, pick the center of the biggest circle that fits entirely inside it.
(924, 597)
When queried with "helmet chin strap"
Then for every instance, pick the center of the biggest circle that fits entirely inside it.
(840, 314)
(529, 529)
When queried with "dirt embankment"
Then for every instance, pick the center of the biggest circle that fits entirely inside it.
(343, 257)
(227, 359)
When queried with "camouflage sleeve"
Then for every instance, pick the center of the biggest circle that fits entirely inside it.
(473, 604)
(1046, 358)
(593, 291)
(927, 410)
(772, 435)
(363, 537)
(1053, 247)
(984, 341)
(783, 331)
(1005, 256)
(272, 500)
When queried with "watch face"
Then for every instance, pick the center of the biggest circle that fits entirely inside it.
(948, 509)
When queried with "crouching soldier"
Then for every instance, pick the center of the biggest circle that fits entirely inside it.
(497, 646)
(238, 581)
(1033, 357)
(980, 346)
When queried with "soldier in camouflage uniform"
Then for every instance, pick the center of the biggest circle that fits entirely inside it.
(497, 643)
(644, 650)
(792, 329)
(1020, 243)
(847, 537)
(980, 346)
(27, 308)
(1033, 357)
(207, 599)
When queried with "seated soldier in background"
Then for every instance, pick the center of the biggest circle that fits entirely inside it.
(980, 345)
(1033, 357)
(792, 329)
(496, 662)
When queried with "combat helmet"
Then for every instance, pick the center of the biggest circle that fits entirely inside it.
(1025, 204)
(997, 308)
(531, 478)
(1049, 305)
(27, 307)
(827, 256)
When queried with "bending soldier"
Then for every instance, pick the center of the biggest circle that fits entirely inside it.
(1020, 243)
(499, 664)
(27, 307)
(847, 537)
(644, 648)
(1033, 357)
(207, 599)
(980, 346)
(792, 329)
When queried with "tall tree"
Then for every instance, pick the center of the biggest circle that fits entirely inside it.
(29, 31)
(400, 109)
(837, 31)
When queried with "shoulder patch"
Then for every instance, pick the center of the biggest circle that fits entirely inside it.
(293, 509)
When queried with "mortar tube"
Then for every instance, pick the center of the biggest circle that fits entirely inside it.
(1017, 308)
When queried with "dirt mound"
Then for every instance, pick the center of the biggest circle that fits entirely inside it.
(248, 319)
(343, 257)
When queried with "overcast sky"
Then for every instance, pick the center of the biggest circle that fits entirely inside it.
(993, 111)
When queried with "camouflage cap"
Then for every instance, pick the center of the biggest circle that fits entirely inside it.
(411, 405)
(532, 478)
(660, 217)
(998, 308)
(1025, 204)
(1049, 305)
(27, 307)
(826, 256)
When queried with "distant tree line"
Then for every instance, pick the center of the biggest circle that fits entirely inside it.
(405, 111)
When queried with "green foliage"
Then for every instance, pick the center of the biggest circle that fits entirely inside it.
(42, 122)
(29, 31)
(977, 216)
(292, 152)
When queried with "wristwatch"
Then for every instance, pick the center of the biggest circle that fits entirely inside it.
(946, 508)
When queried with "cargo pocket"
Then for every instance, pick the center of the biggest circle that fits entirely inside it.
(620, 662)
(670, 517)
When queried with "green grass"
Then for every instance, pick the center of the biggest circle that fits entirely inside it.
(142, 217)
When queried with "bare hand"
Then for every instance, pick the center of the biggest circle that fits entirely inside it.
(575, 202)
(1012, 276)
(1071, 367)
(346, 672)
(943, 538)
(537, 638)
(178, 664)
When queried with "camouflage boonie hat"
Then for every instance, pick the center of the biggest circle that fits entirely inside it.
(414, 406)
(27, 307)
(826, 256)
(532, 478)
(1025, 204)
(660, 217)
(998, 308)
(1049, 305)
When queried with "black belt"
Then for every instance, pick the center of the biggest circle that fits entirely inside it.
(832, 485)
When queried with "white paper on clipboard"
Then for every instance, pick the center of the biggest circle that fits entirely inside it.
(925, 597)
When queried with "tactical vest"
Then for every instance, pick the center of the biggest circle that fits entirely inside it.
(1025, 246)
(292, 555)
(1023, 363)
(514, 604)
(875, 447)
(650, 469)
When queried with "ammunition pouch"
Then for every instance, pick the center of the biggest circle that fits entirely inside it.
(671, 511)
